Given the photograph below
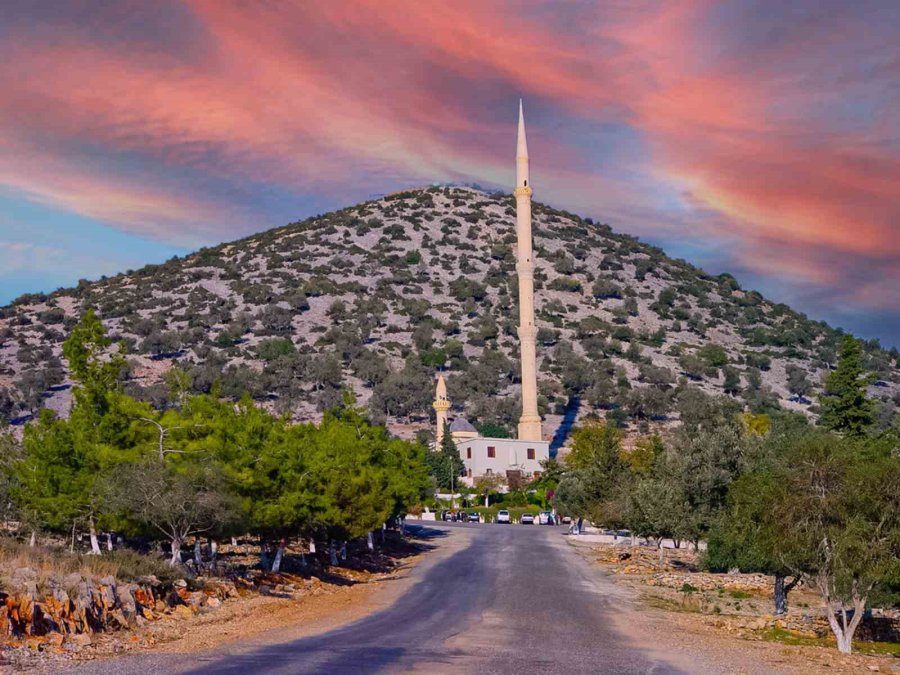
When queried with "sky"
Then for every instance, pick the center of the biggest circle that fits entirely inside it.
(758, 138)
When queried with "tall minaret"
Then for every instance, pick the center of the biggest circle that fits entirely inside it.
(530, 421)
(441, 406)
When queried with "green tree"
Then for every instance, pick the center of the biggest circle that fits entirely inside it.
(93, 366)
(745, 536)
(845, 406)
(594, 469)
(444, 464)
(826, 507)
(64, 460)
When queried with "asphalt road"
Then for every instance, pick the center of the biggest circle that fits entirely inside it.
(516, 599)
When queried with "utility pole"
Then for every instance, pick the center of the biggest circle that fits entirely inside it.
(452, 490)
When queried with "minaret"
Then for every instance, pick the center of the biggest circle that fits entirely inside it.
(530, 421)
(441, 406)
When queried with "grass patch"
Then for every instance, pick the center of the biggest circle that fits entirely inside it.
(669, 604)
(787, 637)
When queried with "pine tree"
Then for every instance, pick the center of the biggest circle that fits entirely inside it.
(445, 465)
(845, 407)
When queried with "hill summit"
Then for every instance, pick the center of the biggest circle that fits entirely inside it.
(377, 297)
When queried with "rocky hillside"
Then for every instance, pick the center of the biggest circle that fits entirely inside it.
(377, 297)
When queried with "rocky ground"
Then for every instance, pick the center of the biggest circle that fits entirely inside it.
(49, 622)
(695, 611)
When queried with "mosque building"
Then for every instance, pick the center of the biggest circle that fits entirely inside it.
(521, 456)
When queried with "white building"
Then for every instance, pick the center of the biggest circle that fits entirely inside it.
(504, 457)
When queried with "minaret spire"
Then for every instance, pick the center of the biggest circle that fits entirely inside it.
(530, 421)
(441, 406)
(521, 152)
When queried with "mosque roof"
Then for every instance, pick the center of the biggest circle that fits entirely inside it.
(462, 424)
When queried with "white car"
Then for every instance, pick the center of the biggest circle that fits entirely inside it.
(527, 519)
(503, 517)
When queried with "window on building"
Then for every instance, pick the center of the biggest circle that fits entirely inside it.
(530, 453)
(468, 453)
(488, 472)
(492, 451)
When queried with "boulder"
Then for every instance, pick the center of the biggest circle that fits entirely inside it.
(182, 612)
(80, 640)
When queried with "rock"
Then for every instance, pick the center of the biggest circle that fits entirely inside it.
(213, 602)
(180, 583)
(55, 639)
(80, 640)
(182, 612)
(70, 581)
(24, 573)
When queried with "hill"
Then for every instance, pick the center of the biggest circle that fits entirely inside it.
(377, 296)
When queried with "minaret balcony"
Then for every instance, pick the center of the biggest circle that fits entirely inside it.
(523, 192)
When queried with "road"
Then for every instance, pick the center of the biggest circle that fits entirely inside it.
(512, 599)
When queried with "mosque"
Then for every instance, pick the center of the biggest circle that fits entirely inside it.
(507, 457)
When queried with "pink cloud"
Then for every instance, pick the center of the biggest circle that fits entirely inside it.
(351, 97)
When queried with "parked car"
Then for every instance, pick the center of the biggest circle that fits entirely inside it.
(473, 518)
(566, 520)
(527, 519)
(503, 517)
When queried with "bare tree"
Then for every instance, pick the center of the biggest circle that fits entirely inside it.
(178, 505)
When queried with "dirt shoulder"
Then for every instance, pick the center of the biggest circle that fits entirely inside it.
(261, 620)
(725, 629)
(181, 639)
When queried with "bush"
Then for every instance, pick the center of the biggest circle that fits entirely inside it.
(604, 289)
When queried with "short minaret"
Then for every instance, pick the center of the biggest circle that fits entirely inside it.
(530, 421)
(441, 406)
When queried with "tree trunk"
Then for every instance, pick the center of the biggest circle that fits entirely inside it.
(213, 549)
(312, 546)
(109, 541)
(176, 552)
(343, 550)
(279, 555)
(487, 498)
(780, 595)
(383, 529)
(234, 541)
(370, 541)
(843, 630)
(781, 592)
(198, 554)
(95, 543)
(33, 541)
(264, 555)
(662, 551)
(332, 553)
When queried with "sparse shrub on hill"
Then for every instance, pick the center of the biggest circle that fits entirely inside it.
(395, 265)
